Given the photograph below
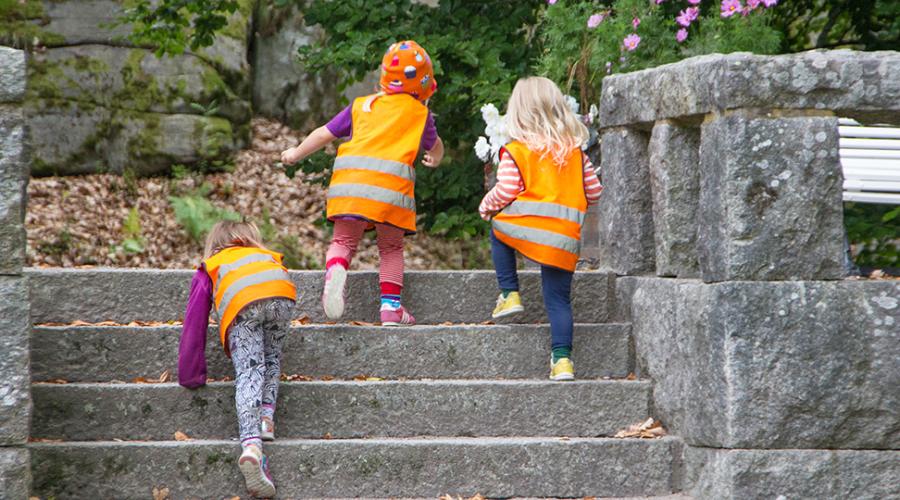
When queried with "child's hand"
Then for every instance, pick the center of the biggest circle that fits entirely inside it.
(290, 156)
(432, 160)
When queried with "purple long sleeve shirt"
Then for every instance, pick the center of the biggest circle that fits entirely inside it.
(192, 347)
(342, 126)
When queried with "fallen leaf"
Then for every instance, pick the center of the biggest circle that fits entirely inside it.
(55, 381)
(877, 274)
(302, 320)
(361, 323)
(326, 378)
(295, 378)
(180, 436)
(78, 322)
(166, 376)
(360, 378)
(374, 379)
(327, 435)
(44, 440)
(648, 429)
(140, 380)
(631, 376)
(488, 322)
(160, 493)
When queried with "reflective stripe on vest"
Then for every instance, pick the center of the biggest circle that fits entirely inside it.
(373, 193)
(397, 168)
(227, 268)
(248, 281)
(545, 209)
(539, 236)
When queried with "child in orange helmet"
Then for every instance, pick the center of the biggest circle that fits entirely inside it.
(373, 181)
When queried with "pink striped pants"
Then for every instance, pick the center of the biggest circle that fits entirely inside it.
(347, 234)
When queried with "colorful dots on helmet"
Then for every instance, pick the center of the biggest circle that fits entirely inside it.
(395, 61)
(404, 46)
(410, 72)
(396, 85)
(419, 57)
(425, 80)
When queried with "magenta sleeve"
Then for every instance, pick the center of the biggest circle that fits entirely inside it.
(192, 347)
(342, 124)
(429, 135)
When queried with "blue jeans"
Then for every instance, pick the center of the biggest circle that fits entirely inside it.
(556, 285)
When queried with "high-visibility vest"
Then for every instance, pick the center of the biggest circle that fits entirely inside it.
(243, 275)
(544, 222)
(374, 177)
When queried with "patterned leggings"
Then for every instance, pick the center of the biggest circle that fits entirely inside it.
(256, 339)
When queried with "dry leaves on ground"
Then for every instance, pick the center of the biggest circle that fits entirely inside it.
(631, 376)
(180, 436)
(160, 493)
(164, 377)
(79, 322)
(477, 496)
(295, 378)
(648, 429)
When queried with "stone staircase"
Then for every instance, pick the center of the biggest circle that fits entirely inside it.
(463, 407)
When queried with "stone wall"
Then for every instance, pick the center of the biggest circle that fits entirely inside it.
(15, 321)
(103, 104)
(722, 214)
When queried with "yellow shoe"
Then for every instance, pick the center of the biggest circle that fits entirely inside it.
(512, 304)
(563, 369)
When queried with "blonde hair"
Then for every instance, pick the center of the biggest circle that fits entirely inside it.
(228, 233)
(538, 116)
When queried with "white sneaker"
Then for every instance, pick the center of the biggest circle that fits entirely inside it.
(333, 295)
(254, 467)
(267, 429)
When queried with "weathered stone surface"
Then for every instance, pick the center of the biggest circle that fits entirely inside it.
(132, 79)
(495, 467)
(98, 354)
(63, 295)
(675, 185)
(855, 84)
(794, 474)
(97, 139)
(13, 180)
(626, 218)
(12, 78)
(92, 412)
(772, 365)
(15, 376)
(15, 473)
(770, 198)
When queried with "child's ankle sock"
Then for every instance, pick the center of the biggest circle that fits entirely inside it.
(561, 352)
(338, 261)
(267, 410)
(251, 441)
(390, 295)
(506, 292)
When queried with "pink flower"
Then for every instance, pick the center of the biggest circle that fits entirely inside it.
(731, 7)
(686, 17)
(681, 35)
(659, 1)
(752, 4)
(770, 3)
(694, 2)
(635, 22)
(551, 2)
(631, 42)
(595, 20)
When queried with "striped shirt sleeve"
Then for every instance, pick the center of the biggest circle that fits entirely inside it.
(592, 187)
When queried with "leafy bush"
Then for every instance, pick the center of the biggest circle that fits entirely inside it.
(295, 255)
(173, 25)
(133, 240)
(197, 215)
(874, 233)
(586, 40)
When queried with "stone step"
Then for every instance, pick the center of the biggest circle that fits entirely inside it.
(494, 467)
(123, 295)
(99, 354)
(88, 412)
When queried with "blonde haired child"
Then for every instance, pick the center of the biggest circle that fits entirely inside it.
(544, 187)
(373, 181)
(254, 299)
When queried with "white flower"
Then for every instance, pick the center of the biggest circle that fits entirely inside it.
(572, 103)
(489, 113)
(483, 149)
(594, 113)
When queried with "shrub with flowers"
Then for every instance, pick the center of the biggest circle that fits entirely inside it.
(585, 40)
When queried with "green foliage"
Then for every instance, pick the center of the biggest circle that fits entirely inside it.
(295, 255)
(578, 57)
(133, 241)
(197, 215)
(822, 24)
(479, 49)
(316, 167)
(874, 231)
(174, 25)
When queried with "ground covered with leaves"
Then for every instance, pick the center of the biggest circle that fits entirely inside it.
(158, 222)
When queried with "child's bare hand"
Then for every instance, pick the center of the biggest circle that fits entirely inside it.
(290, 156)
(432, 160)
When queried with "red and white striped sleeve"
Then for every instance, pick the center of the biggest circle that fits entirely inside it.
(592, 186)
(509, 185)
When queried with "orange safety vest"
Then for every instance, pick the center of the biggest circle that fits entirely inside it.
(374, 177)
(544, 222)
(243, 275)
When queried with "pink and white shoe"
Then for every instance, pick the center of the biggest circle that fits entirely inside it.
(255, 468)
(333, 295)
(396, 317)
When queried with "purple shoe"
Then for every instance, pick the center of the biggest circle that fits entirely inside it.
(396, 317)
